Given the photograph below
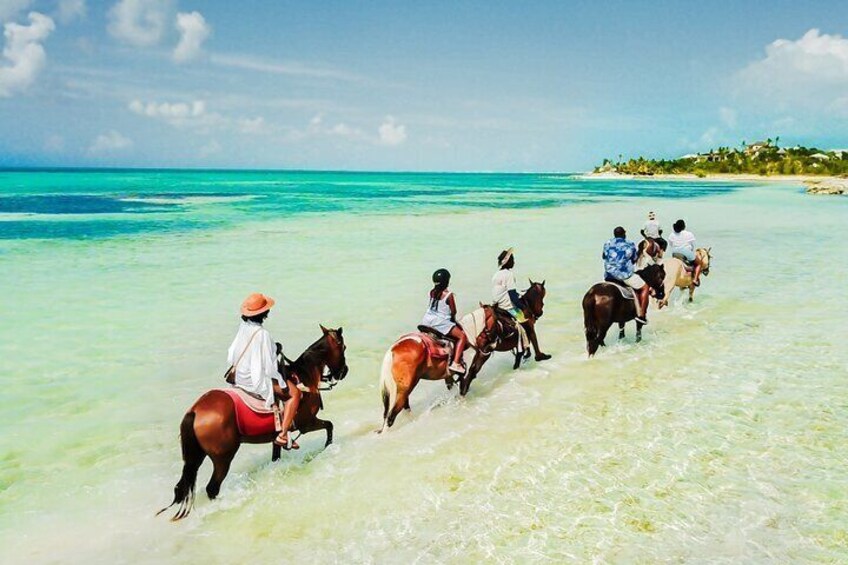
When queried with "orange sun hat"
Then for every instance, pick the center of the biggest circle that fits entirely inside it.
(255, 304)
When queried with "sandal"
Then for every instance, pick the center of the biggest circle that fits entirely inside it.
(287, 444)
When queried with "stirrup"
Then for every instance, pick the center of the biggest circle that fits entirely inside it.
(642, 320)
(457, 369)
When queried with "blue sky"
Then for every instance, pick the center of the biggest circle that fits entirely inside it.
(483, 86)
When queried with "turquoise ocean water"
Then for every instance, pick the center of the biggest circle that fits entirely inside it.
(719, 438)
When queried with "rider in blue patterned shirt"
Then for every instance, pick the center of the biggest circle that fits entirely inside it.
(619, 258)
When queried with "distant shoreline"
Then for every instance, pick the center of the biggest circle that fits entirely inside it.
(814, 184)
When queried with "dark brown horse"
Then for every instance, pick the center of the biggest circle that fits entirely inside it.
(209, 426)
(603, 305)
(533, 301)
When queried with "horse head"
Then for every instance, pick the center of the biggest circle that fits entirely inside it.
(534, 298)
(654, 277)
(704, 254)
(335, 354)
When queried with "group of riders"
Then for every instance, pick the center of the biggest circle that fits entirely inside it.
(252, 356)
(623, 258)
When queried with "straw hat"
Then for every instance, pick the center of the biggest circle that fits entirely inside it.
(504, 257)
(255, 304)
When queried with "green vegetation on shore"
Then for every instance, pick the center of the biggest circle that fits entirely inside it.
(761, 158)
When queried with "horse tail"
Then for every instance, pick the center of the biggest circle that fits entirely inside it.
(193, 456)
(388, 386)
(589, 323)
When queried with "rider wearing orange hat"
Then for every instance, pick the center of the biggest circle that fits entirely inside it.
(253, 358)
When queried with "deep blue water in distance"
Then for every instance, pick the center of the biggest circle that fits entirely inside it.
(83, 204)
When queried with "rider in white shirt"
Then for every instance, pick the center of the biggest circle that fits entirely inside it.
(253, 355)
(504, 287)
(682, 244)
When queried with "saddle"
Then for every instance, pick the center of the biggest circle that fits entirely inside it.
(252, 417)
(626, 292)
(512, 327)
(438, 345)
(687, 264)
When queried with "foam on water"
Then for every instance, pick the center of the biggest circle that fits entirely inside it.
(719, 437)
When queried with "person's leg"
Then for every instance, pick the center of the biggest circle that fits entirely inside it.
(289, 411)
(696, 276)
(644, 297)
(461, 343)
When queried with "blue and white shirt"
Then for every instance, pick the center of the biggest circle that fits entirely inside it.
(619, 255)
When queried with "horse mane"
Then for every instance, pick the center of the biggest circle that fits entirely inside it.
(311, 357)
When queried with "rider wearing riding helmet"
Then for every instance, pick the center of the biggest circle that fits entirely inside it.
(253, 358)
(441, 316)
(505, 289)
(619, 256)
(682, 243)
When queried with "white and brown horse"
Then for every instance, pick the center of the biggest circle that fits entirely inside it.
(677, 275)
(412, 358)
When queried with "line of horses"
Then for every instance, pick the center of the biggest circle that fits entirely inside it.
(210, 428)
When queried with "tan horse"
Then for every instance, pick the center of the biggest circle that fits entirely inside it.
(408, 361)
(677, 276)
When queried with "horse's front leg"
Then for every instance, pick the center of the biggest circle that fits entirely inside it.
(691, 293)
(530, 327)
(638, 332)
(471, 373)
(317, 424)
(621, 330)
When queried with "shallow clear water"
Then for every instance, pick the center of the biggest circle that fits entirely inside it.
(720, 437)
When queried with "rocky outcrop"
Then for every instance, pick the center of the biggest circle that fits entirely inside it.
(827, 186)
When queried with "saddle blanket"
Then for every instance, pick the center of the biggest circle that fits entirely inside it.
(436, 348)
(252, 417)
(627, 294)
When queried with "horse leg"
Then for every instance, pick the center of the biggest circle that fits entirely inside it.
(471, 374)
(275, 453)
(315, 424)
(638, 332)
(691, 293)
(517, 363)
(621, 330)
(219, 473)
(534, 341)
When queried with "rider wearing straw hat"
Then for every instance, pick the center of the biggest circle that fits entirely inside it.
(504, 287)
(253, 358)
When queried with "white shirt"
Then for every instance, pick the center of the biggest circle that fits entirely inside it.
(502, 283)
(682, 239)
(258, 366)
(652, 228)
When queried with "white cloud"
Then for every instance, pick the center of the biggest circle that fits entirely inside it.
(23, 53)
(109, 142)
(193, 32)
(251, 63)
(9, 9)
(138, 22)
(251, 125)
(391, 132)
(211, 148)
(69, 10)
(169, 110)
(808, 73)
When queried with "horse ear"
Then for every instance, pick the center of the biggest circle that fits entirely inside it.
(531, 282)
(323, 329)
(543, 283)
(339, 331)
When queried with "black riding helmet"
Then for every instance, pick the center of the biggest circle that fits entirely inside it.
(442, 276)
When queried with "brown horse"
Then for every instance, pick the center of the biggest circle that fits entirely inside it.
(533, 301)
(209, 426)
(604, 305)
(409, 360)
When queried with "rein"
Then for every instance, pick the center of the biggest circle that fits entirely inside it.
(310, 359)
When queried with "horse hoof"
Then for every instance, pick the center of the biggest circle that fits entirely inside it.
(542, 357)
